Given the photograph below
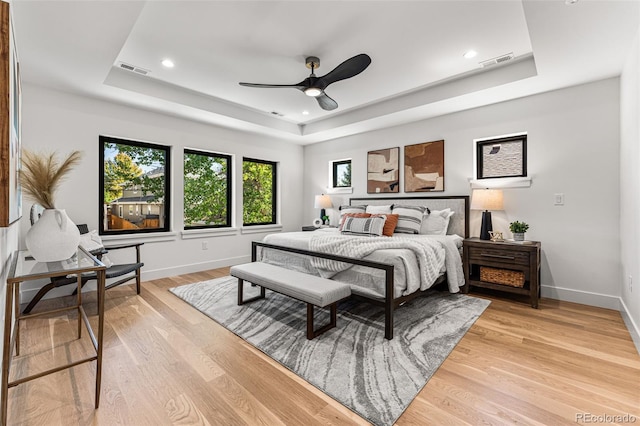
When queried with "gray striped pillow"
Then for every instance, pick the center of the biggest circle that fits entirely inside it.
(409, 218)
(366, 226)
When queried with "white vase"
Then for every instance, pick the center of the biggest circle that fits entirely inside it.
(53, 237)
(518, 236)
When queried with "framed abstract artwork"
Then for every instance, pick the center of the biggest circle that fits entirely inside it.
(383, 171)
(10, 132)
(424, 167)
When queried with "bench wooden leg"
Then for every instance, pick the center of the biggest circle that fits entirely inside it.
(311, 333)
(251, 299)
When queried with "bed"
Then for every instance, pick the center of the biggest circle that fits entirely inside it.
(418, 262)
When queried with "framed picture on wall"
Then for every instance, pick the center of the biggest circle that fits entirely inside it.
(424, 167)
(383, 171)
(10, 136)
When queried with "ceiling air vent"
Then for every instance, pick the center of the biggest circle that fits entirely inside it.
(133, 68)
(498, 60)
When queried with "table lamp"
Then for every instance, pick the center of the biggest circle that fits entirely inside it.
(323, 202)
(486, 199)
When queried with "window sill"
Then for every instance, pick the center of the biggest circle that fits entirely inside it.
(515, 182)
(258, 229)
(153, 237)
(348, 190)
(188, 234)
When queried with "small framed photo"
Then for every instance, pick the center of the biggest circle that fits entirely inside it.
(502, 157)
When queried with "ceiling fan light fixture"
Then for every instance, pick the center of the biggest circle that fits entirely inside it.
(312, 91)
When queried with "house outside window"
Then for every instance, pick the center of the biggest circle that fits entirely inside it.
(207, 189)
(259, 183)
(134, 178)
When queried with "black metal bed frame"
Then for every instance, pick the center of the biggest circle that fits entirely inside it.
(388, 269)
(389, 302)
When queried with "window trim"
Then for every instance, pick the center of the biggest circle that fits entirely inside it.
(167, 180)
(229, 191)
(274, 182)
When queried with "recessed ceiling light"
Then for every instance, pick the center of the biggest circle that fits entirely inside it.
(168, 63)
(305, 112)
(570, 2)
(470, 54)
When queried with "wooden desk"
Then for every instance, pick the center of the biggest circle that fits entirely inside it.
(24, 268)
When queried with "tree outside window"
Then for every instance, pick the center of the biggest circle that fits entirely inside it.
(342, 174)
(134, 188)
(207, 190)
(258, 192)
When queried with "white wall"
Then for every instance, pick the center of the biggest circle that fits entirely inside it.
(573, 148)
(629, 184)
(63, 122)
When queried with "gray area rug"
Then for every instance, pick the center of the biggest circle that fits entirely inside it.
(353, 363)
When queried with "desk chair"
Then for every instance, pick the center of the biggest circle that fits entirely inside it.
(127, 271)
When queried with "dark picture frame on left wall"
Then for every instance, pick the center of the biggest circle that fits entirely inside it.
(10, 130)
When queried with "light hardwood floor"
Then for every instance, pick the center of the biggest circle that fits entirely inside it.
(166, 363)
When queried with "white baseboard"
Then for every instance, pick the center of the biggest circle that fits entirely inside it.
(599, 300)
(26, 294)
(633, 328)
(582, 297)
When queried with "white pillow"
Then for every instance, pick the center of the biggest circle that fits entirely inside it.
(91, 241)
(379, 209)
(364, 226)
(436, 222)
(409, 218)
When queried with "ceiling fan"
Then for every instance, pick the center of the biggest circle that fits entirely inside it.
(314, 86)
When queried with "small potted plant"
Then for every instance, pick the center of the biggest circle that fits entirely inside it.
(325, 220)
(518, 229)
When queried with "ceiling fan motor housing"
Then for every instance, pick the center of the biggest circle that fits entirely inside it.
(312, 61)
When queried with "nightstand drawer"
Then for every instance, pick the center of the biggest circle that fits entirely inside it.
(497, 255)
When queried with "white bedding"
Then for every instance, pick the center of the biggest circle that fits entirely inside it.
(418, 260)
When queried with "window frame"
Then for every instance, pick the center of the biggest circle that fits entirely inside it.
(274, 183)
(493, 141)
(102, 140)
(334, 168)
(229, 216)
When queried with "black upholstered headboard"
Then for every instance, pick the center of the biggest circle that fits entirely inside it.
(459, 223)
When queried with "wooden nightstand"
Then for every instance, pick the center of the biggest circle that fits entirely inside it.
(497, 260)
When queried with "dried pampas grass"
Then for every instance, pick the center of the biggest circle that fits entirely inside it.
(41, 174)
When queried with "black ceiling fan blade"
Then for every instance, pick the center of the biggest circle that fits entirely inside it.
(298, 86)
(326, 102)
(349, 68)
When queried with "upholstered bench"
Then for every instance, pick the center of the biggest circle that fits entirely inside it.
(313, 290)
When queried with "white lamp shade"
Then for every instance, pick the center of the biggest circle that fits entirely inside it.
(323, 202)
(486, 199)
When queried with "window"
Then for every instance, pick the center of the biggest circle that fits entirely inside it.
(259, 185)
(207, 190)
(341, 173)
(502, 157)
(134, 178)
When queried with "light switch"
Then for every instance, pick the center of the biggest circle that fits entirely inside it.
(559, 200)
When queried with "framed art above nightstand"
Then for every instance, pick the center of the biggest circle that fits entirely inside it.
(505, 266)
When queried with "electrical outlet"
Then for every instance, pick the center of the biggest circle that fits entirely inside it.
(630, 282)
(205, 245)
(558, 199)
